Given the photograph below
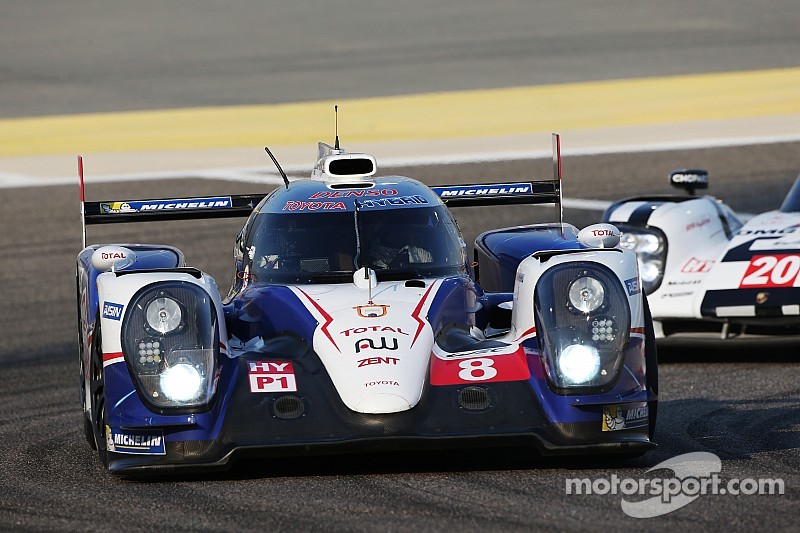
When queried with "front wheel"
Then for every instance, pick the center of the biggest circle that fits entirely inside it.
(96, 424)
(651, 368)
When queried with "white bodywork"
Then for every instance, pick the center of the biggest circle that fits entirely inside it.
(697, 243)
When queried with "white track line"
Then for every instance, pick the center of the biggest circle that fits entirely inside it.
(267, 175)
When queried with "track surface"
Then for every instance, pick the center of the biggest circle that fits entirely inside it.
(87, 56)
(738, 401)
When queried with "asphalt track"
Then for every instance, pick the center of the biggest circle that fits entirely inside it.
(737, 399)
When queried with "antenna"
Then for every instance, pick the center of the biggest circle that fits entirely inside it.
(557, 177)
(278, 166)
(336, 126)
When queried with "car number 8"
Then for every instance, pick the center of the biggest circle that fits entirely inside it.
(479, 369)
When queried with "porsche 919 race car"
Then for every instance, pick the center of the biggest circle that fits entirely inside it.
(356, 323)
(703, 268)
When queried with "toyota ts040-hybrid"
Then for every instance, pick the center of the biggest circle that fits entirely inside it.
(355, 322)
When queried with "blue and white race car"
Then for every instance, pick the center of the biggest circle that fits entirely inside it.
(356, 322)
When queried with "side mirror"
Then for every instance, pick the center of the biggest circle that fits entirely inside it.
(599, 236)
(689, 179)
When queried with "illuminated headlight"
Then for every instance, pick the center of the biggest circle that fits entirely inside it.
(650, 246)
(579, 363)
(583, 322)
(650, 271)
(171, 342)
(163, 315)
(586, 294)
(181, 383)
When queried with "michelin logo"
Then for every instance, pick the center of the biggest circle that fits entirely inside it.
(499, 189)
(220, 202)
(135, 441)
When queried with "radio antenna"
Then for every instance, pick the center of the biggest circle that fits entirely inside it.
(278, 166)
(336, 126)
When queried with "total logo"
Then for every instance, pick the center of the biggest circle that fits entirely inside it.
(376, 329)
(372, 344)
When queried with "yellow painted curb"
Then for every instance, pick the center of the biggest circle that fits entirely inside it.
(451, 115)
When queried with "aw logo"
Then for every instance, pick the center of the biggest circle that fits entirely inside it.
(371, 344)
(112, 311)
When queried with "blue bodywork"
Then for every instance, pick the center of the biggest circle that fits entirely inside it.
(254, 308)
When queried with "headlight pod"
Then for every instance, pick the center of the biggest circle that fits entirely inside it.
(583, 325)
(163, 315)
(586, 294)
(170, 339)
(650, 246)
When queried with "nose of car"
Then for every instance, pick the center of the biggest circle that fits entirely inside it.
(383, 403)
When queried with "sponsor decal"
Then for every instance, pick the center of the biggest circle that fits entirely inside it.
(633, 286)
(762, 297)
(698, 224)
(378, 361)
(271, 376)
(135, 441)
(695, 265)
(499, 189)
(112, 311)
(381, 382)
(220, 202)
(618, 417)
(376, 329)
(768, 232)
(361, 193)
(495, 368)
(371, 344)
(772, 271)
(689, 177)
(371, 311)
(110, 256)
(313, 206)
(393, 201)
(677, 294)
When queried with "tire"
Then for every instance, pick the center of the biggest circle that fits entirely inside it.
(97, 412)
(651, 367)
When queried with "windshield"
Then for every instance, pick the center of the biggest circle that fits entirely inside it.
(791, 203)
(324, 248)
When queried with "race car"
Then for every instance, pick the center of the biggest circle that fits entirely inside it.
(702, 268)
(357, 323)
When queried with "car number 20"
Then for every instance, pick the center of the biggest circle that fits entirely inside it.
(772, 271)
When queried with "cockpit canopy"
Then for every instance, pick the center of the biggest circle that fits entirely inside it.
(328, 246)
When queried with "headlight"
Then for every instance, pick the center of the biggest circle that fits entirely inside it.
(650, 246)
(579, 363)
(586, 294)
(170, 340)
(583, 326)
(182, 382)
(163, 315)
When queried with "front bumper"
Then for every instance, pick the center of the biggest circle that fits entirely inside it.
(314, 421)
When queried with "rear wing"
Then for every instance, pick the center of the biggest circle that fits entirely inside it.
(204, 207)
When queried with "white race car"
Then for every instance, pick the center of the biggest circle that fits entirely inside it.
(702, 266)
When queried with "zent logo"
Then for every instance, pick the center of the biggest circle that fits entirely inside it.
(772, 271)
(112, 311)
